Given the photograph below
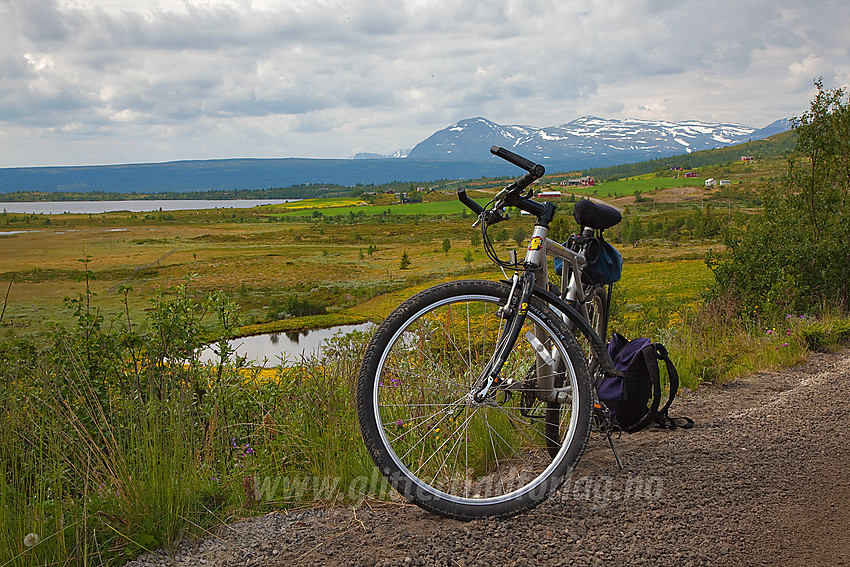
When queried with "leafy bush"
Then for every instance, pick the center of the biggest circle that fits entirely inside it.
(795, 256)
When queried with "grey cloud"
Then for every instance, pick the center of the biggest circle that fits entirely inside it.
(333, 65)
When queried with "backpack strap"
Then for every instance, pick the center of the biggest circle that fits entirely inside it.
(662, 419)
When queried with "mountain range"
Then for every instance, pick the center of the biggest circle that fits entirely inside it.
(588, 140)
(458, 151)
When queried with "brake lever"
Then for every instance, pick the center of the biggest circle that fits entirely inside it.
(492, 216)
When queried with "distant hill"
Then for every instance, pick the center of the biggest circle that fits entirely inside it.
(460, 151)
(774, 146)
(236, 174)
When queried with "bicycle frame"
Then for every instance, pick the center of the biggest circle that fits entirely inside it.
(572, 292)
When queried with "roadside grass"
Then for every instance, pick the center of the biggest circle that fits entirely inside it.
(117, 441)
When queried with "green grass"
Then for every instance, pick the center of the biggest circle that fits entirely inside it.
(644, 185)
(681, 281)
(452, 207)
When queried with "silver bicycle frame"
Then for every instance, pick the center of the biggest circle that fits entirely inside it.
(540, 246)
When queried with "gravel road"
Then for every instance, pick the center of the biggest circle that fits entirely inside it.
(761, 480)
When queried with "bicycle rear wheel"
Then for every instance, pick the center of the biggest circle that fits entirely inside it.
(439, 447)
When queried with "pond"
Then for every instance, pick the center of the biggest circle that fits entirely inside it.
(292, 346)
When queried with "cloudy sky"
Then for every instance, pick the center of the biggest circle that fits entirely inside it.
(117, 81)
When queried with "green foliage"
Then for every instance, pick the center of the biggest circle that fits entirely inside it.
(130, 443)
(404, 263)
(447, 245)
(294, 306)
(468, 258)
(795, 256)
(519, 235)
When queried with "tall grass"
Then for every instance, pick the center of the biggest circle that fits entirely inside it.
(116, 440)
(710, 342)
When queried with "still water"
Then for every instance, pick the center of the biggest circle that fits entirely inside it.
(289, 346)
(95, 207)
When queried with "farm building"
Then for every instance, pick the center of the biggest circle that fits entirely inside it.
(585, 181)
(549, 195)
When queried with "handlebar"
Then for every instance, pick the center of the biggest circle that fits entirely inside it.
(534, 168)
(512, 194)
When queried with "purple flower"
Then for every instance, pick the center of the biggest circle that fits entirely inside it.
(399, 422)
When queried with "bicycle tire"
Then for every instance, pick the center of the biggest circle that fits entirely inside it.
(427, 436)
(598, 311)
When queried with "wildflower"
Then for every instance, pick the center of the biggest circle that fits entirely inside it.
(399, 422)
(30, 540)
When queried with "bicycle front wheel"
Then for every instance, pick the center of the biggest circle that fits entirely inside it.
(440, 447)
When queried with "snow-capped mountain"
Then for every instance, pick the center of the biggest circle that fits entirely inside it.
(395, 154)
(587, 139)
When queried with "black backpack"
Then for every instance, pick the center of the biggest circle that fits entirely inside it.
(632, 399)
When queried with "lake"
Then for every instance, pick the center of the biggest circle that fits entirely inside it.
(291, 345)
(94, 207)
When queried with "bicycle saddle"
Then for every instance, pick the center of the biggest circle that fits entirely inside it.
(596, 215)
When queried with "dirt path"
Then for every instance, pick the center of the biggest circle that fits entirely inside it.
(762, 480)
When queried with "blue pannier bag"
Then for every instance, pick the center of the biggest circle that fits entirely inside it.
(608, 265)
(604, 268)
(632, 397)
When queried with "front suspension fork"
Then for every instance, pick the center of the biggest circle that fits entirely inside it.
(516, 310)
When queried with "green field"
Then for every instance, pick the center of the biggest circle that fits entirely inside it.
(339, 261)
(430, 208)
(627, 187)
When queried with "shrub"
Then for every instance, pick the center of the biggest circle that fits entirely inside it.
(795, 256)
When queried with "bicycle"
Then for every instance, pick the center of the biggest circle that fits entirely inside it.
(475, 397)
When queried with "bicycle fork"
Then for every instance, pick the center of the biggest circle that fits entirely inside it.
(546, 362)
(516, 310)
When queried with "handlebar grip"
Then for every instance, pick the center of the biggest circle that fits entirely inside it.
(491, 216)
(472, 205)
(535, 169)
